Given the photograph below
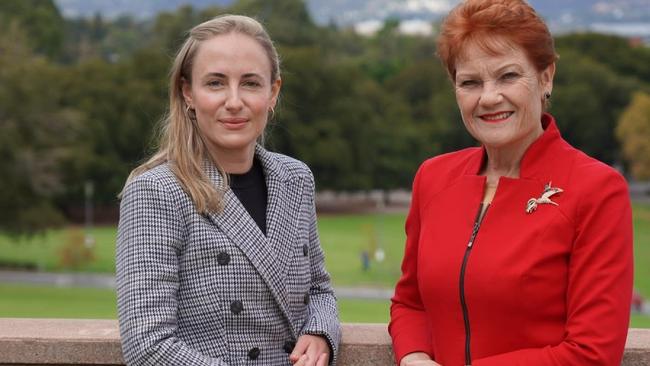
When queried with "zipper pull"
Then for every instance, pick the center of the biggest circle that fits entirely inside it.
(474, 232)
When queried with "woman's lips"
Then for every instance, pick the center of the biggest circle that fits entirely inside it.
(495, 117)
(233, 123)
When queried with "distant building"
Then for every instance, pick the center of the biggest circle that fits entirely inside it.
(411, 27)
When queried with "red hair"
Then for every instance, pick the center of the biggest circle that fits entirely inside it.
(488, 23)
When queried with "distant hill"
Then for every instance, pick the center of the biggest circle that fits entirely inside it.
(611, 10)
(141, 9)
(568, 11)
(562, 15)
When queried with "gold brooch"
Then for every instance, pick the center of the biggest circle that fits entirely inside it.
(549, 191)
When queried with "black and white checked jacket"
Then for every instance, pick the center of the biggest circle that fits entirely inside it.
(213, 290)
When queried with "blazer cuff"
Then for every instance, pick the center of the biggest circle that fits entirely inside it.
(330, 330)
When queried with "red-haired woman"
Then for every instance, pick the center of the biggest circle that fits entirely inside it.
(518, 252)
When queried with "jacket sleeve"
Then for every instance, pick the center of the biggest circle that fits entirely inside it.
(409, 325)
(599, 285)
(150, 235)
(323, 314)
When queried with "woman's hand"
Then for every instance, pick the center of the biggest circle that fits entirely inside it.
(418, 359)
(310, 350)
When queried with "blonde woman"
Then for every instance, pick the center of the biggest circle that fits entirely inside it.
(218, 256)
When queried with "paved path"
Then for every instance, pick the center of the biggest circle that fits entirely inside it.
(108, 281)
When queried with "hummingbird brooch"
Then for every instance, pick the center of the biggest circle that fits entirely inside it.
(548, 192)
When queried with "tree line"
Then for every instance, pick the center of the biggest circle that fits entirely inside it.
(80, 99)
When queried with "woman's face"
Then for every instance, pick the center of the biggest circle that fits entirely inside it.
(500, 96)
(231, 92)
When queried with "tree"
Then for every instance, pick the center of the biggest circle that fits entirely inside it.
(588, 99)
(41, 21)
(633, 131)
(613, 51)
(287, 21)
(121, 103)
(37, 136)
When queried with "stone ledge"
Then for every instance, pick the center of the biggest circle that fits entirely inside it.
(96, 342)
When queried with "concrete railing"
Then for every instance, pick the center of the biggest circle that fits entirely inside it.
(97, 342)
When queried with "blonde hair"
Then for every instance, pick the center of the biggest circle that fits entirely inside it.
(180, 143)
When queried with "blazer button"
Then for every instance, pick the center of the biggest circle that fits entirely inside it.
(236, 307)
(306, 299)
(305, 250)
(223, 258)
(288, 346)
(254, 353)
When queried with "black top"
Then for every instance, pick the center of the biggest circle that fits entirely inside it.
(250, 189)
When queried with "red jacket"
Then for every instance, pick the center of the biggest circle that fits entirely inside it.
(550, 287)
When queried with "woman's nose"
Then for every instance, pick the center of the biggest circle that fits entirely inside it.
(491, 94)
(233, 99)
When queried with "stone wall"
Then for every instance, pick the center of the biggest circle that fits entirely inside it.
(96, 342)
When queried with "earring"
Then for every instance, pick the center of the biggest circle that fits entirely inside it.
(190, 112)
(547, 95)
(272, 112)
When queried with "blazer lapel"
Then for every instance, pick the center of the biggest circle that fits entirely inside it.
(268, 258)
(283, 209)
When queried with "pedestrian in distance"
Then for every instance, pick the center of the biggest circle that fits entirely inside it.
(518, 252)
(218, 255)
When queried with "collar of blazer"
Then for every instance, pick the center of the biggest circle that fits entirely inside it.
(270, 255)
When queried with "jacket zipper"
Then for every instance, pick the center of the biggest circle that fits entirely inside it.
(477, 224)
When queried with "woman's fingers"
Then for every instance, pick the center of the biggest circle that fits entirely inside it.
(302, 360)
(323, 360)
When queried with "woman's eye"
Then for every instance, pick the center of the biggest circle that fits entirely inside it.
(468, 83)
(251, 83)
(510, 76)
(214, 83)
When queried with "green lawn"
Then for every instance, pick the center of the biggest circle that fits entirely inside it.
(343, 238)
(642, 248)
(53, 302)
(61, 302)
(46, 251)
(56, 302)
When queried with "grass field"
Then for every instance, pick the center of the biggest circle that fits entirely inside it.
(343, 239)
(52, 302)
(28, 301)
(642, 249)
(45, 251)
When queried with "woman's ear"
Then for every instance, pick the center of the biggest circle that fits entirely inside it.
(186, 89)
(546, 78)
(275, 91)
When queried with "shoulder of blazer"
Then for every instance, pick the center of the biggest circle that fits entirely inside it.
(162, 177)
(290, 167)
(441, 171)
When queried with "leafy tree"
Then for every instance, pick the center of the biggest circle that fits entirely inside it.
(121, 103)
(633, 131)
(613, 51)
(38, 137)
(170, 28)
(341, 122)
(588, 99)
(98, 38)
(288, 21)
(426, 88)
(40, 19)
(363, 112)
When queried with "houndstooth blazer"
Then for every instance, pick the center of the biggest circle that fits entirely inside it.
(213, 289)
